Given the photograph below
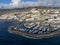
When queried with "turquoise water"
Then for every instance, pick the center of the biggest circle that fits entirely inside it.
(11, 39)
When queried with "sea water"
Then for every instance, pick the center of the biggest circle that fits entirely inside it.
(7, 38)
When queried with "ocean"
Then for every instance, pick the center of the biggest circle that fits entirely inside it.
(7, 38)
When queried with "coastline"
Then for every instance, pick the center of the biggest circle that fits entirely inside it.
(36, 17)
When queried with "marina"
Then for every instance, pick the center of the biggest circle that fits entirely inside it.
(35, 22)
(37, 25)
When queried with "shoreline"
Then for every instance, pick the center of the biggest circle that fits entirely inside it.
(34, 36)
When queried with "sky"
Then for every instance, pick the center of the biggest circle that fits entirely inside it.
(28, 3)
(5, 1)
(9, 1)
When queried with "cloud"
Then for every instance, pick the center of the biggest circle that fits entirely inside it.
(15, 2)
(21, 3)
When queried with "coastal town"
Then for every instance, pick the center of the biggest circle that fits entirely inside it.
(35, 21)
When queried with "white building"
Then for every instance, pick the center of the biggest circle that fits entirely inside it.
(30, 19)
